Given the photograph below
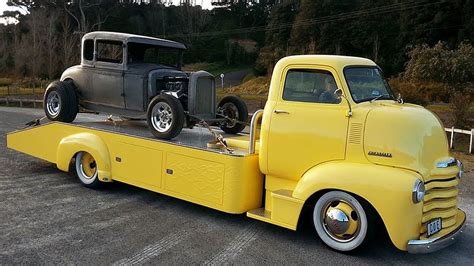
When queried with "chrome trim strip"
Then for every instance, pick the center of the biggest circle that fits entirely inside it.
(435, 244)
(253, 130)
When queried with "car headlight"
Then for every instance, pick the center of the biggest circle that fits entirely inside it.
(461, 169)
(418, 191)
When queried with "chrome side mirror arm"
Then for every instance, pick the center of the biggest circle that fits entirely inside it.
(339, 95)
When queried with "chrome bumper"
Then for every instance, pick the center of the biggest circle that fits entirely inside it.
(432, 245)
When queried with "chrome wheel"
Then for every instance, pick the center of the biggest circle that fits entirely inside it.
(340, 221)
(162, 117)
(53, 103)
(86, 168)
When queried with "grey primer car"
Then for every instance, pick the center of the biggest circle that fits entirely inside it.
(133, 76)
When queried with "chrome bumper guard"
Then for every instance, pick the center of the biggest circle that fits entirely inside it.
(435, 244)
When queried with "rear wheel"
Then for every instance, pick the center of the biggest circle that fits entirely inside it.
(165, 116)
(235, 110)
(87, 170)
(341, 221)
(60, 102)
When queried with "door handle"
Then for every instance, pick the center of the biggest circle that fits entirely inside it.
(281, 112)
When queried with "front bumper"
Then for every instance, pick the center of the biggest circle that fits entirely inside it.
(432, 245)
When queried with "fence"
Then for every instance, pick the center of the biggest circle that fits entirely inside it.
(460, 131)
(16, 93)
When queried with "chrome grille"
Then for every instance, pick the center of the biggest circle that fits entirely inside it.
(440, 201)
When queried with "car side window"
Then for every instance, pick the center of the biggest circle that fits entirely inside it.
(110, 51)
(89, 50)
(314, 86)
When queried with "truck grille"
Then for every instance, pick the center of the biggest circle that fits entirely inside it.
(440, 201)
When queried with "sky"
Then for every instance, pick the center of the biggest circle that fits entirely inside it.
(206, 4)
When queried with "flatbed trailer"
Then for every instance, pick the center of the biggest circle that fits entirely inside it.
(185, 167)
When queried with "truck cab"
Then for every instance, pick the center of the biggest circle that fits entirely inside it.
(335, 138)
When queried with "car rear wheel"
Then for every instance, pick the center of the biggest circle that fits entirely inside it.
(60, 102)
(235, 110)
(165, 116)
(341, 221)
(87, 170)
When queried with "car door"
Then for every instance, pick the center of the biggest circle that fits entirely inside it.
(107, 79)
(307, 122)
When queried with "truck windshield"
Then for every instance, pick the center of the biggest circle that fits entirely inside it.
(143, 53)
(367, 84)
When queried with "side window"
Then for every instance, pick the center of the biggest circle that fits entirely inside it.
(110, 51)
(314, 86)
(89, 50)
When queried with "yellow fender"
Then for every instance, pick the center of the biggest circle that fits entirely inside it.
(87, 142)
(387, 189)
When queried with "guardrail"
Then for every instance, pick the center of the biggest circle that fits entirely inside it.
(460, 131)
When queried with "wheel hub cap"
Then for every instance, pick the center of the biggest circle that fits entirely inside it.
(340, 221)
(161, 117)
(88, 166)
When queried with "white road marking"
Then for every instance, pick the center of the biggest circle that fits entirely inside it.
(155, 250)
(242, 241)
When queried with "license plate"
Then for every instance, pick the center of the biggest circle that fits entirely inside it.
(433, 226)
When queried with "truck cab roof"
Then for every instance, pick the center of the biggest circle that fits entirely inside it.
(335, 61)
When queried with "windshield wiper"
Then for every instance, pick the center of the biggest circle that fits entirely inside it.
(378, 97)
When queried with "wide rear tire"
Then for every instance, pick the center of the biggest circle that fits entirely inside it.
(165, 116)
(60, 102)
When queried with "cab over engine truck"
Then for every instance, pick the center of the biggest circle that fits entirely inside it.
(332, 138)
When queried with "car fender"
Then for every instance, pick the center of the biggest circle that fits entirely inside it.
(87, 142)
(387, 189)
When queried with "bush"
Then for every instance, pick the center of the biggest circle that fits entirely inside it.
(460, 107)
(422, 93)
(5, 81)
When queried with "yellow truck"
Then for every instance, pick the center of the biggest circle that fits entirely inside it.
(332, 139)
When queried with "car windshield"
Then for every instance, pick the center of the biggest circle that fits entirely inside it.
(367, 84)
(143, 53)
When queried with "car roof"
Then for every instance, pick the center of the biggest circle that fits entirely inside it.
(126, 37)
(335, 61)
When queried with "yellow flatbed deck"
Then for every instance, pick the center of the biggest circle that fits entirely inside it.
(126, 151)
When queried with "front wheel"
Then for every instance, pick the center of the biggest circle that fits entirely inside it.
(341, 221)
(165, 116)
(236, 113)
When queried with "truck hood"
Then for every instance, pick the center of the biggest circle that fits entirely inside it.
(406, 136)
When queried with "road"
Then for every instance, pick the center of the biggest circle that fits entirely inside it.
(47, 217)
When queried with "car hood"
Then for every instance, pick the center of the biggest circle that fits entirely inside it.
(406, 136)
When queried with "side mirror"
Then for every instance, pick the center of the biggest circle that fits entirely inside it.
(339, 95)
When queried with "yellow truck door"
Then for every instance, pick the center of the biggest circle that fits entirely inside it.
(308, 122)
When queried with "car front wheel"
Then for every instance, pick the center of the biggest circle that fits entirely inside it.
(165, 116)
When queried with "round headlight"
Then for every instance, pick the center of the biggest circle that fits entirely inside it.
(461, 169)
(418, 191)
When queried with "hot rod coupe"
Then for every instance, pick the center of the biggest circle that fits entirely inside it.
(131, 75)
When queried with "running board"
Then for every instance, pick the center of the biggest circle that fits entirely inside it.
(286, 210)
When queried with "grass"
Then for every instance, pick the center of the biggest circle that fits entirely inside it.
(5, 82)
(20, 91)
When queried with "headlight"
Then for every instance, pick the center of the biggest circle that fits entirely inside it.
(418, 191)
(461, 169)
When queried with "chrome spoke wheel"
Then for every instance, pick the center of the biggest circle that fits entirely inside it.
(162, 117)
(53, 103)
